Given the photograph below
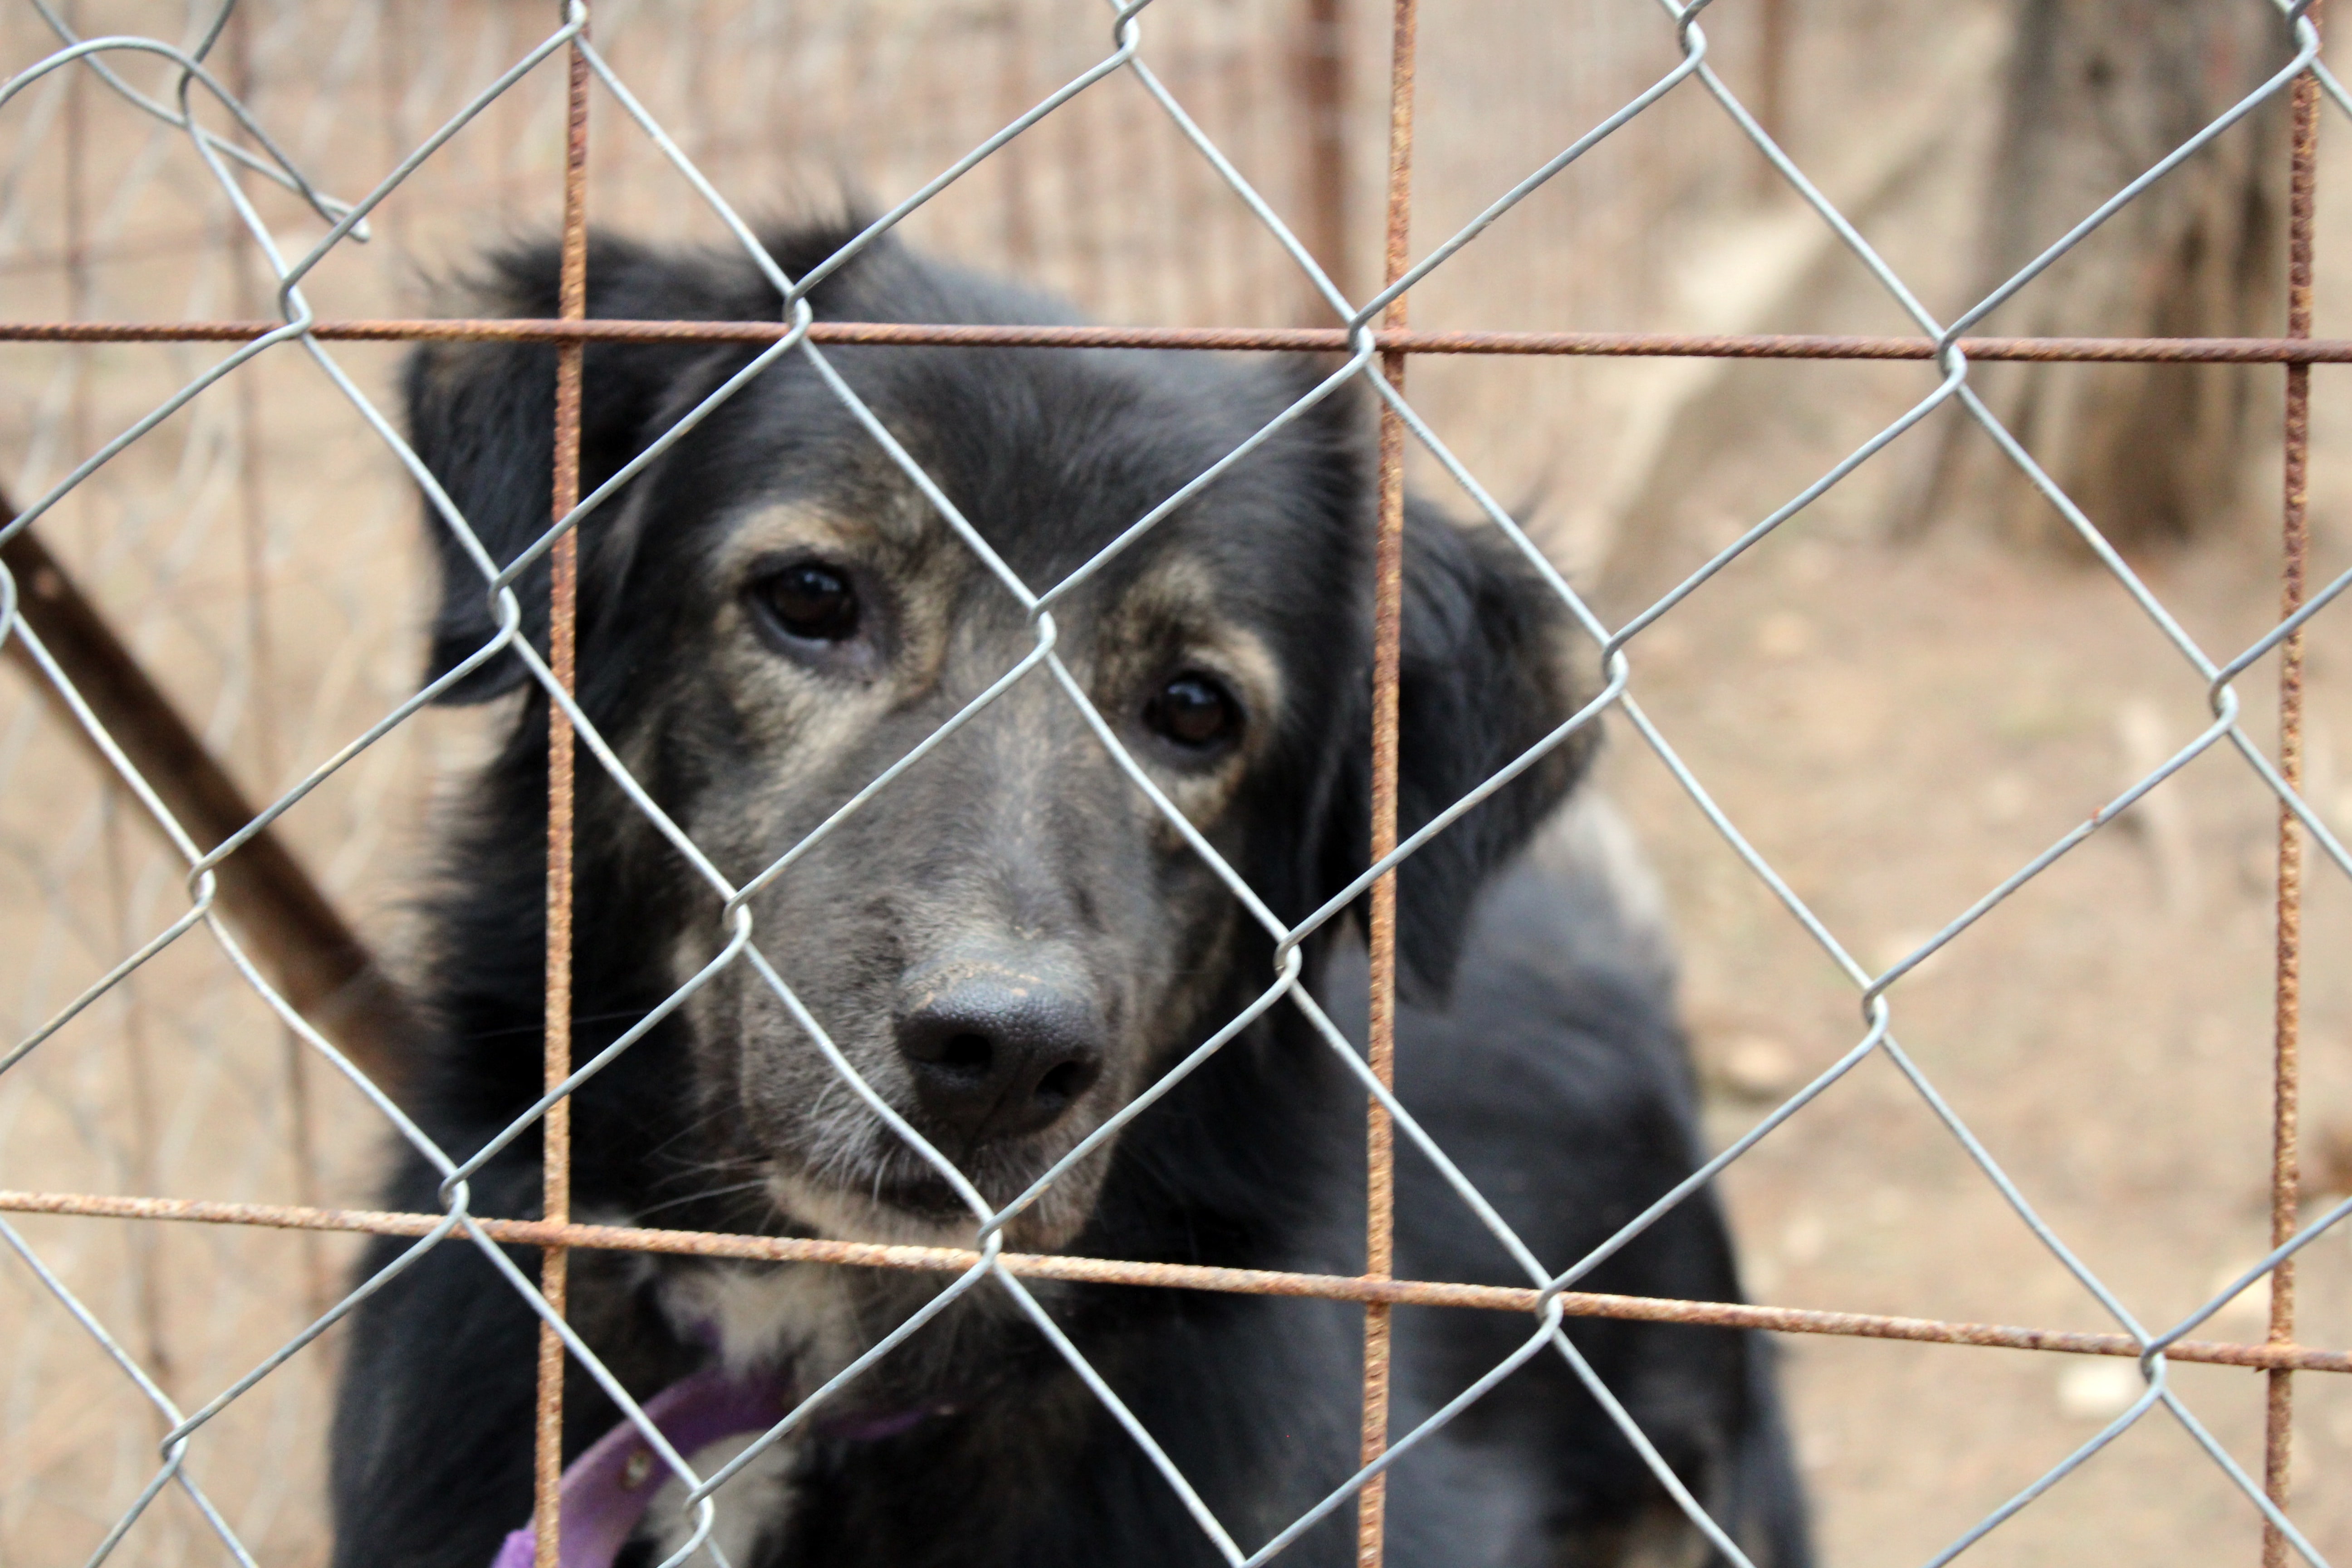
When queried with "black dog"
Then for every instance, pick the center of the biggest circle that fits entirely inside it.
(1009, 943)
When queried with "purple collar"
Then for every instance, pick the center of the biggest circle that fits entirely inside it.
(607, 1489)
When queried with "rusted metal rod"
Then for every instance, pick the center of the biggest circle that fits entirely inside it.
(1275, 340)
(562, 647)
(1177, 1277)
(2287, 1176)
(315, 959)
(1388, 648)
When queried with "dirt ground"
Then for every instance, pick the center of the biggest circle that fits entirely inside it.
(1897, 721)
(2106, 1032)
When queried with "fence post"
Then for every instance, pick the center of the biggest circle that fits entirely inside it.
(2286, 1173)
(555, 1146)
(1323, 105)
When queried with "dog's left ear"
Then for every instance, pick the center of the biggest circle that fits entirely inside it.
(1486, 674)
(481, 418)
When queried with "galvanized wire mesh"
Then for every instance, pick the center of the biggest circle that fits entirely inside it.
(195, 494)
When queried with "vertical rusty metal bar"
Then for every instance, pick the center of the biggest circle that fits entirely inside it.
(1323, 104)
(2295, 537)
(562, 650)
(1388, 643)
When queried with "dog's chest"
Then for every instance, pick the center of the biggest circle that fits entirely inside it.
(795, 1323)
(751, 1514)
(799, 1321)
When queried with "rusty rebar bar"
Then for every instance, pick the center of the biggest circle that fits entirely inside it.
(1388, 646)
(1274, 340)
(1178, 1276)
(562, 643)
(2287, 1178)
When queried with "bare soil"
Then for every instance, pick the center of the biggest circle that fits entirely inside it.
(1897, 723)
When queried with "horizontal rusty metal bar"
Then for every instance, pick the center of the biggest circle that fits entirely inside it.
(1176, 1276)
(1283, 340)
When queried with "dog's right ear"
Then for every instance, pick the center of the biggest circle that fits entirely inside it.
(1487, 671)
(481, 416)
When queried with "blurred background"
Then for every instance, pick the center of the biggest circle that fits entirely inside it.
(1900, 696)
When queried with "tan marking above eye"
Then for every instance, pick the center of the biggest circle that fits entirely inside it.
(786, 528)
(1239, 659)
(1171, 620)
(910, 578)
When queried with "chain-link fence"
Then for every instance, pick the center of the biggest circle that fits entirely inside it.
(243, 523)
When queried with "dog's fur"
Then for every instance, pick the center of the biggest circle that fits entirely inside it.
(1017, 858)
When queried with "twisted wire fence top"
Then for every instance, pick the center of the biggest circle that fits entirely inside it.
(202, 480)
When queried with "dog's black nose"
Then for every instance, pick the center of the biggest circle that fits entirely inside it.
(999, 1058)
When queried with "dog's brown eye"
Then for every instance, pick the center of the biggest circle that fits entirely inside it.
(810, 601)
(1194, 710)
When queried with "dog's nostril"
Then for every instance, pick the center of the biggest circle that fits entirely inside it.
(966, 1053)
(1063, 1083)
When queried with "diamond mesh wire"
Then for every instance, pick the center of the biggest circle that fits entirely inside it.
(197, 495)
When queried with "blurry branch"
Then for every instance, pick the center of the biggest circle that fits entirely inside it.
(318, 962)
(2099, 90)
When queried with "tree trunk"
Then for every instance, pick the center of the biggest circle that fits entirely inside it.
(2098, 91)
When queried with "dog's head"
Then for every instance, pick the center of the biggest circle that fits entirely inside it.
(1010, 939)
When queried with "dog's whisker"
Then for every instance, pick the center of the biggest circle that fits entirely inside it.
(702, 1197)
(507, 1032)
